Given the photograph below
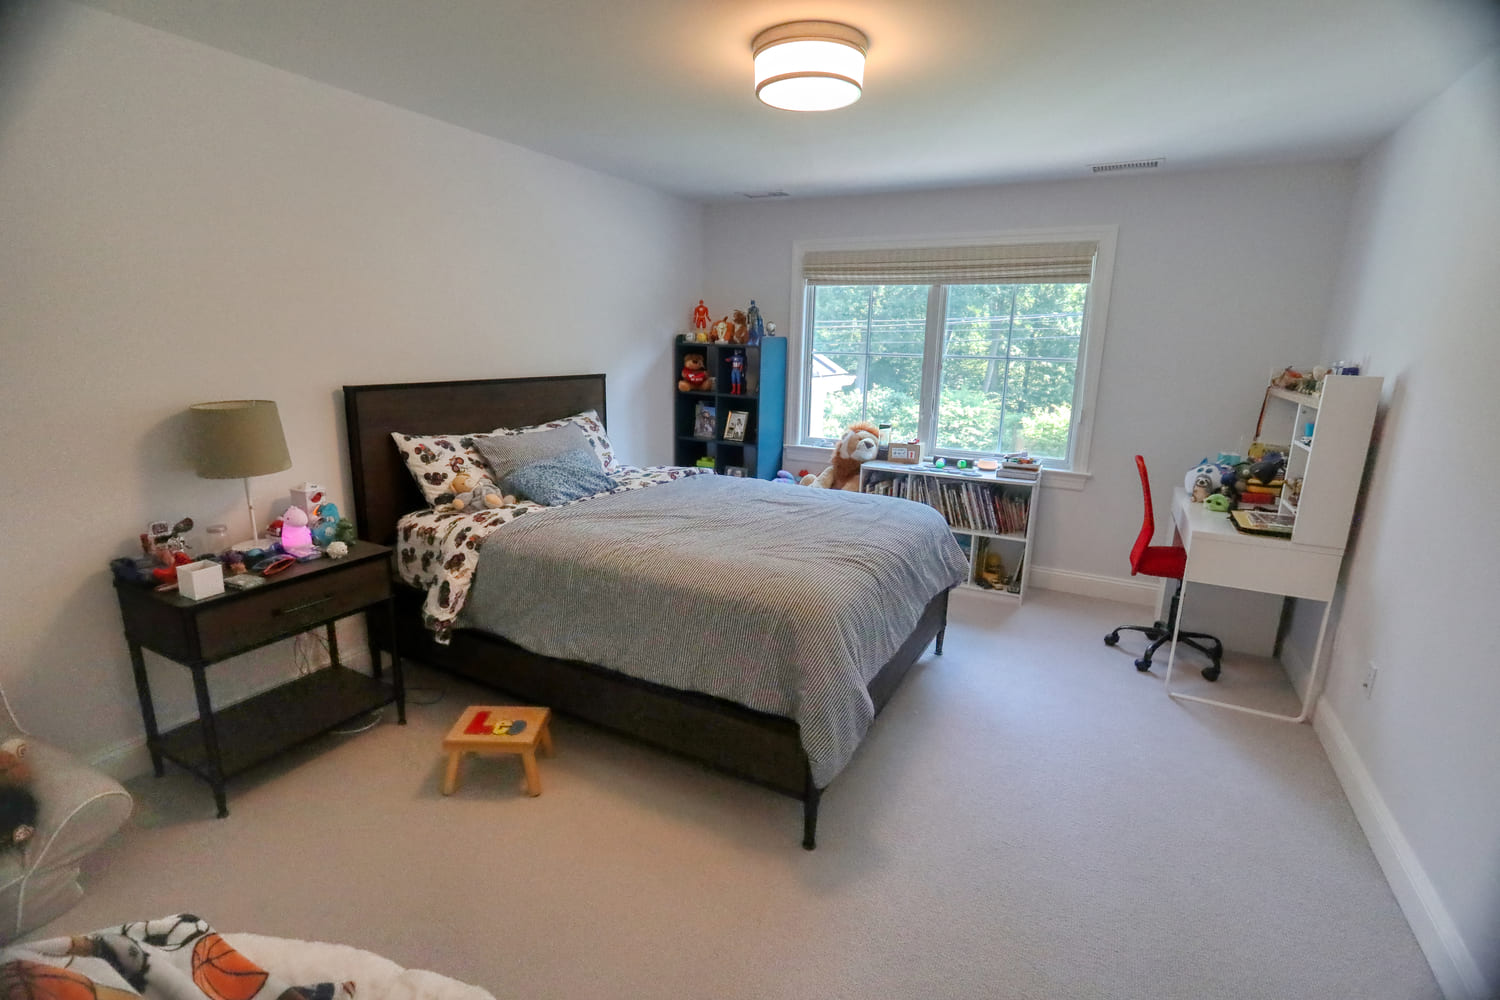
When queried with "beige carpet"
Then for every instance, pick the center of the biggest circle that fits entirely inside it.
(1030, 817)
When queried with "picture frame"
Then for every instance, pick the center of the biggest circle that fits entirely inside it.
(704, 417)
(736, 425)
(738, 471)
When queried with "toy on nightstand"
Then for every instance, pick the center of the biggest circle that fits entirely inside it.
(296, 536)
(737, 373)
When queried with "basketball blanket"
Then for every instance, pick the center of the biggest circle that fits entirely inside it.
(175, 958)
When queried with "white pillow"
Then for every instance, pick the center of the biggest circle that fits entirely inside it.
(435, 459)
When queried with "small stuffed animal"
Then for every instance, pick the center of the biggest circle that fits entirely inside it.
(858, 445)
(1202, 479)
(694, 378)
(739, 330)
(18, 807)
(475, 493)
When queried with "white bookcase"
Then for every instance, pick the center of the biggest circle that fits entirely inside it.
(991, 515)
(1328, 464)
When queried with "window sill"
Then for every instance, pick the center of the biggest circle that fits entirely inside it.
(1065, 479)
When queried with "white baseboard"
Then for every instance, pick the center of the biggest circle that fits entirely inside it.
(1458, 975)
(1111, 588)
(130, 758)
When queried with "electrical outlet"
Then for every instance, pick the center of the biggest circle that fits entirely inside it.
(1369, 681)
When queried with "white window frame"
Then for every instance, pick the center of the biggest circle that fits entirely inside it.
(1074, 472)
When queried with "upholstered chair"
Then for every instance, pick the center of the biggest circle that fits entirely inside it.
(78, 808)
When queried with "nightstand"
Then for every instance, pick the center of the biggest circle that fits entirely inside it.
(197, 634)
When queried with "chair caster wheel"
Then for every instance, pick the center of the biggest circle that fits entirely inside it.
(1112, 638)
(1211, 673)
(1143, 665)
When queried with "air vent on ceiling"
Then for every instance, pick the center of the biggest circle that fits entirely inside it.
(1123, 165)
(765, 194)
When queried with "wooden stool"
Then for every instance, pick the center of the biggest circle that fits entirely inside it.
(492, 729)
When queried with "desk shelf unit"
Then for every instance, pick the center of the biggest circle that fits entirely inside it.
(989, 513)
(1330, 462)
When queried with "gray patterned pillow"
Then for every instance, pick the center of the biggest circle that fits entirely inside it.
(505, 453)
(560, 479)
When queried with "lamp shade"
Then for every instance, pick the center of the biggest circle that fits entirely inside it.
(809, 65)
(237, 439)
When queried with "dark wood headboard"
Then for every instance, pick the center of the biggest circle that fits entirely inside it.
(383, 488)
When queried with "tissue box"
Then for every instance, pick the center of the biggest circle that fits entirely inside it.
(308, 496)
(197, 580)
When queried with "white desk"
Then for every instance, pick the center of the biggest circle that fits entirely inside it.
(1218, 553)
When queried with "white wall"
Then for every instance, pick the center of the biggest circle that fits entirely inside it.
(1421, 755)
(1218, 277)
(180, 225)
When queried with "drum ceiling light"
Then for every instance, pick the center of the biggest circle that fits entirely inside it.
(809, 65)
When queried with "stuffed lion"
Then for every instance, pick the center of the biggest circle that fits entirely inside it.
(859, 444)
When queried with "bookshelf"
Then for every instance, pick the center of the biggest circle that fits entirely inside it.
(762, 401)
(992, 515)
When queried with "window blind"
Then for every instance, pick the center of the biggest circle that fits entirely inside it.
(1006, 264)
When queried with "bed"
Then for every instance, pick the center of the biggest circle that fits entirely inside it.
(760, 746)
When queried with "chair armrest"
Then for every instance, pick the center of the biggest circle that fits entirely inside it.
(78, 808)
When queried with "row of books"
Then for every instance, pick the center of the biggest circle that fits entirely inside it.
(968, 506)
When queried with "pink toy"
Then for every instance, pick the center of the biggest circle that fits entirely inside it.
(296, 536)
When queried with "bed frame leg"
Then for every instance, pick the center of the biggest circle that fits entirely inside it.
(938, 649)
(810, 821)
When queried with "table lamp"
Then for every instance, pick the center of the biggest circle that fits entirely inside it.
(237, 439)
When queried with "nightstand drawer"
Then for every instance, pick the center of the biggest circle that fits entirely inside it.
(285, 609)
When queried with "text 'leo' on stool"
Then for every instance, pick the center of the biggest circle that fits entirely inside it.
(499, 729)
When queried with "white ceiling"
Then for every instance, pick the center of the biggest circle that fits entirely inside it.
(957, 92)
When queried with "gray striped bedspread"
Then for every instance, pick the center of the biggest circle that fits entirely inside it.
(780, 598)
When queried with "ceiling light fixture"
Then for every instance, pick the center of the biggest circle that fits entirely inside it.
(809, 65)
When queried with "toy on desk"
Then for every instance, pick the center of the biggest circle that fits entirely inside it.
(1202, 479)
(337, 550)
(737, 373)
(1218, 502)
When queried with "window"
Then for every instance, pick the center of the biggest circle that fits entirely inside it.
(978, 350)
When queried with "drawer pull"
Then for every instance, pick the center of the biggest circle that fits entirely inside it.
(302, 607)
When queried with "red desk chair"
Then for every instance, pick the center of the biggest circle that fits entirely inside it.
(1165, 561)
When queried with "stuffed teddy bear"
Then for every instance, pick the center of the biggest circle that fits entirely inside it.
(18, 807)
(472, 492)
(739, 330)
(858, 445)
(694, 378)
